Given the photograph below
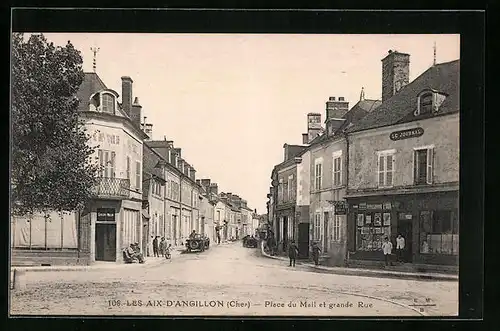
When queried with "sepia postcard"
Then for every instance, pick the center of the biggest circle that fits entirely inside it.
(180, 174)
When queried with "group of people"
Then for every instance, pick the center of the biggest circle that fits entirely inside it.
(161, 248)
(293, 253)
(387, 249)
(132, 253)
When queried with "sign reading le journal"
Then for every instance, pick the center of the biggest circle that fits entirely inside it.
(405, 134)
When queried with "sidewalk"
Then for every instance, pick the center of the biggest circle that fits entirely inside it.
(365, 272)
(100, 265)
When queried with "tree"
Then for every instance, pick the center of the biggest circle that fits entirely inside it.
(51, 166)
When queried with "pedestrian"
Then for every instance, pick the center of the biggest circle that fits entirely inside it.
(293, 251)
(163, 246)
(155, 247)
(315, 252)
(400, 246)
(387, 249)
(217, 232)
(168, 252)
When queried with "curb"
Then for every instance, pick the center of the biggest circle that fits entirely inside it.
(112, 266)
(367, 272)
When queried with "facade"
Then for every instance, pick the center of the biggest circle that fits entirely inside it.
(153, 197)
(286, 225)
(403, 172)
(112, 221)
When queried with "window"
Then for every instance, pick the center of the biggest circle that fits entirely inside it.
(423, 164)
(425, 103)
(439, 232)
(317, 227)
(138, 175)
(336, 228)
(337, 169)
(107, 163)
(280, 190)
(108, 103)
(318, 173)
(385, 170)
(156, 188)
(128, 168)
(285, 191)
(218, 215)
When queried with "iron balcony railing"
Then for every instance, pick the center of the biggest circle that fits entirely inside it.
(109, 187)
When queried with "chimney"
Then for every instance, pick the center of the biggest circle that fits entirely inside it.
(187, 169)
(362, 95)
(313, 126)
(149, 130)
(335, 111)
(180, 163)
(192, 173)
(305, 138)
(205, 182)
(395, 73)
(198, 182)
(127, 95)
(135, 113)
(214, 189)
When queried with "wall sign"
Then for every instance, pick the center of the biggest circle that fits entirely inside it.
(340, 208)
(405, 134)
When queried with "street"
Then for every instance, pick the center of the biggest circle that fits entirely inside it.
(228, 280)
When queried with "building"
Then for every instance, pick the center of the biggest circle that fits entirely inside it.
(285, 186)
(153, 193)
(403, 168)
(182, 197)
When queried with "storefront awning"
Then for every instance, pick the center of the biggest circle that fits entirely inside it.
(401, 191)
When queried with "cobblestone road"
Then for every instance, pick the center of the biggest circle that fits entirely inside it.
(228, 280)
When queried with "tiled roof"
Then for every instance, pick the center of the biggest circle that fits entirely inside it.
(150, 160)
(90, 85)
(442, 77)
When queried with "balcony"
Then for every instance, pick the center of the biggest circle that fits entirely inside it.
(112, 188)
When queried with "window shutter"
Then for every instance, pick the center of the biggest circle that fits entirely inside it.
(112, 165)
(340, 176)
(380, 170)
(101, 161)
(392, 163)
(430, 161)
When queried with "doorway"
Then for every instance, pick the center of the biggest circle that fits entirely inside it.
(405, 228)
(285, 233)
(105, 242)
(303, 240)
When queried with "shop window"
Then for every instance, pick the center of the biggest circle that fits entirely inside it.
(423, 165)
(439, 232)
(372, 228)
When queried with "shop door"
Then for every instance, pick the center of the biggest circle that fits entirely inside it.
(105, 242)
(405, 229)
(303, 241)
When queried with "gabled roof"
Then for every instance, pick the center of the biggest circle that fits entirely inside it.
(359, 111)
(442, 77)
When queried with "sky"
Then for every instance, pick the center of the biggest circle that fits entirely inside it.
(230, 101)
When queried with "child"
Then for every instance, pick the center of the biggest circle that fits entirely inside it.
(316, 250)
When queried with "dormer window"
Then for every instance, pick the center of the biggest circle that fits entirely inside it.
(428, 102)
(108, 103)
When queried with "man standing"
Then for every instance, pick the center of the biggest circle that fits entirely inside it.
(293, 251)
(217, 232)
(400, 246)
(387, 248)
(155, 247)
(315, 252)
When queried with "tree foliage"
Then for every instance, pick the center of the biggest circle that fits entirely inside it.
(50, 161)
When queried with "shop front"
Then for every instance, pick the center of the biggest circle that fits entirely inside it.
(286, 228)
(427, 221)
